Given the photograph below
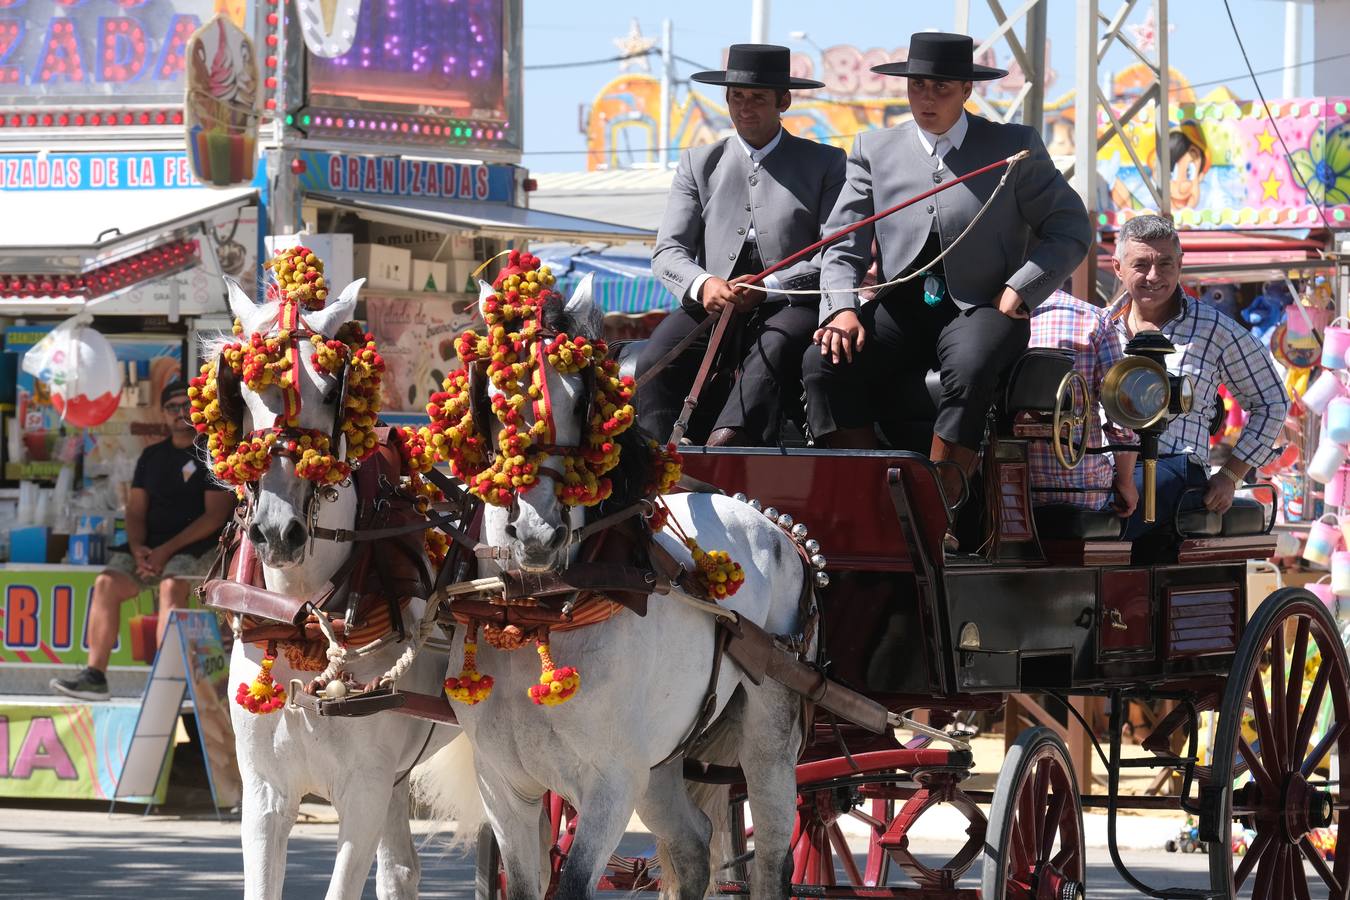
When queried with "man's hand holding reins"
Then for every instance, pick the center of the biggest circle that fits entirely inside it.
(717, 293)
(747, 296)
(840, 337)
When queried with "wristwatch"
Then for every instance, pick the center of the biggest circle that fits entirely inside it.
(1237, 479)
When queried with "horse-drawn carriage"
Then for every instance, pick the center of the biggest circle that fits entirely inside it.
(1054, 604)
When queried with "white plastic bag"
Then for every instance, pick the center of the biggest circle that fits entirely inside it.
(80, 367)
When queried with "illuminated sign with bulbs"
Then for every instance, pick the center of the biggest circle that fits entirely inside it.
(416, 72)
(96, 53)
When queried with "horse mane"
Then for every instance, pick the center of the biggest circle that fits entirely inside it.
(631, 478)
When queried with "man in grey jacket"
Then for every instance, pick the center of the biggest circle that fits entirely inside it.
(735, 208)
(966, 316)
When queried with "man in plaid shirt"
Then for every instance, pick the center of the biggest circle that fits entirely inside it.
(1212, 349)
(1063, 322)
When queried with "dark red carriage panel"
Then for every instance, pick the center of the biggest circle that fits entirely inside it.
(1125, 615)
(1203, 619)
(845, 498)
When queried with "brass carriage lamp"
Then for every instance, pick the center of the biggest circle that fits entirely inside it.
(1139, 394)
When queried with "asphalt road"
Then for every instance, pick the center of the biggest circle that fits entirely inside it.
(71, 854)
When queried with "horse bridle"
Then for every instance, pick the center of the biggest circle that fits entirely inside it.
(301, 334)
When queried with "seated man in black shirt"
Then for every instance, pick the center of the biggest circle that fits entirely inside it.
(174, 516)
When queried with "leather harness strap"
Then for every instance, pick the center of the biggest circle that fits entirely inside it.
(724, 320)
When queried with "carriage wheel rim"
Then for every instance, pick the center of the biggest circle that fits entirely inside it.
(1281, 797)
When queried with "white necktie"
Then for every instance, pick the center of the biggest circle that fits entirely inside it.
(940, 148)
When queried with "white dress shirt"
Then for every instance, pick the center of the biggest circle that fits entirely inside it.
(756, 155)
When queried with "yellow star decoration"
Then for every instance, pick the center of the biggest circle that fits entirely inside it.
(1271, 187)
(1266, 141)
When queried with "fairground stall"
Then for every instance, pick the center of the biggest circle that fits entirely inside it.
(402, 169)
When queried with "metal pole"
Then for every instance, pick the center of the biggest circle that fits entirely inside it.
(1164, 121)
(1293, 37)
(962, 22)
(1085, 141)
(759, 21)
(1033, 107)
(663, 119)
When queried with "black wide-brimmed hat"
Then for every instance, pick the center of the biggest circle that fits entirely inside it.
(942, 57)
(757, 66)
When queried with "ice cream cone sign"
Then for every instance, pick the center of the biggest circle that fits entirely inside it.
(222, 103)
(329, 26)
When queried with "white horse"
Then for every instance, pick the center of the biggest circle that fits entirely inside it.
(643, 680)
(359, 764)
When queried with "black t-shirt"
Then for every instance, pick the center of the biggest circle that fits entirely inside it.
(177, 481)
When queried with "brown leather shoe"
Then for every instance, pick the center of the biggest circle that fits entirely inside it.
(726, 437)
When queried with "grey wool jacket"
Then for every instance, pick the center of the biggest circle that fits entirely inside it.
(717, 198)
(1032, 238)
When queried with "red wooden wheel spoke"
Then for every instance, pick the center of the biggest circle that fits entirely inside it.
(1253, 856)
(1020, 843)
(1320, 866)
(1278, 751)
(1052, 823)
(1040, 787)
(1258, 770)
(1264, 729)
(1266, 870)
(845, 855)
(1293, 695)
(1320, 751)
(1309, 717)
(1296, 876)
(1068, 853)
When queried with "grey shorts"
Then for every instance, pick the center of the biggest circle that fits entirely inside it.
(180, 565)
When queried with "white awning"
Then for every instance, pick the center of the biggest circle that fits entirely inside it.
(72, 231)
(495, 219)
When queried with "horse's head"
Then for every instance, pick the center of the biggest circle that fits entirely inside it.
(288, 484)
(539, 522)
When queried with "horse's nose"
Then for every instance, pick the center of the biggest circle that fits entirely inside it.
(287, 541)
(295, 535)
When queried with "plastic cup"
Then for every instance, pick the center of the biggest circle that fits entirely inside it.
(1324, 539)
(1326, 388)
(1322, 591)
(1326, 461)
(1337, 493)
(1335, 347)
(1336, 423)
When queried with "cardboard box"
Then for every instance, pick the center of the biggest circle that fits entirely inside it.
(430, 276)
(87, 550)
(384, 268)
(28, 545)
(334, 249)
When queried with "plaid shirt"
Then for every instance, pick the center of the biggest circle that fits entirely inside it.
(1213, 349)
(1064, 322)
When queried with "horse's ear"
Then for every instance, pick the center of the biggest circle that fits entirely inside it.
(581, 307)
(336, 313)
(245, 310)
(485, 293)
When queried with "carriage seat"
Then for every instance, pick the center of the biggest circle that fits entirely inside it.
(626, 354)
(1247, 516)
(1067, 522)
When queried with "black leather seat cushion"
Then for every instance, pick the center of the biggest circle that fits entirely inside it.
(626, 354)
(1066, 522)
(1035, 380)
(1247, 516)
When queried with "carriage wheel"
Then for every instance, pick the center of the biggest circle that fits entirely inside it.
(1288, 681)
(1034, 848)
(489, 881)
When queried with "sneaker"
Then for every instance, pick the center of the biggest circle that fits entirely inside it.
(89, 684)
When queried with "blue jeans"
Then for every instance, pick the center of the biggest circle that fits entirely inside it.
(1175, 474)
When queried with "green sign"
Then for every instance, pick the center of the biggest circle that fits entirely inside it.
(44, 613)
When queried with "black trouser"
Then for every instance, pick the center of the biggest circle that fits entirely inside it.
(973, 349)
(769, 352)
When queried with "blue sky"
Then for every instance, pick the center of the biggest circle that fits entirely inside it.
(1202, 46)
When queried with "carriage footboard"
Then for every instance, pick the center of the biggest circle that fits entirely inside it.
(759, 654)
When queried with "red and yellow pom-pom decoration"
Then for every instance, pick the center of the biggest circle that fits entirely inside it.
(263, 695)
(470, 686)
(263, 361)
(556, 685)
(514, 355)
(720, 575)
